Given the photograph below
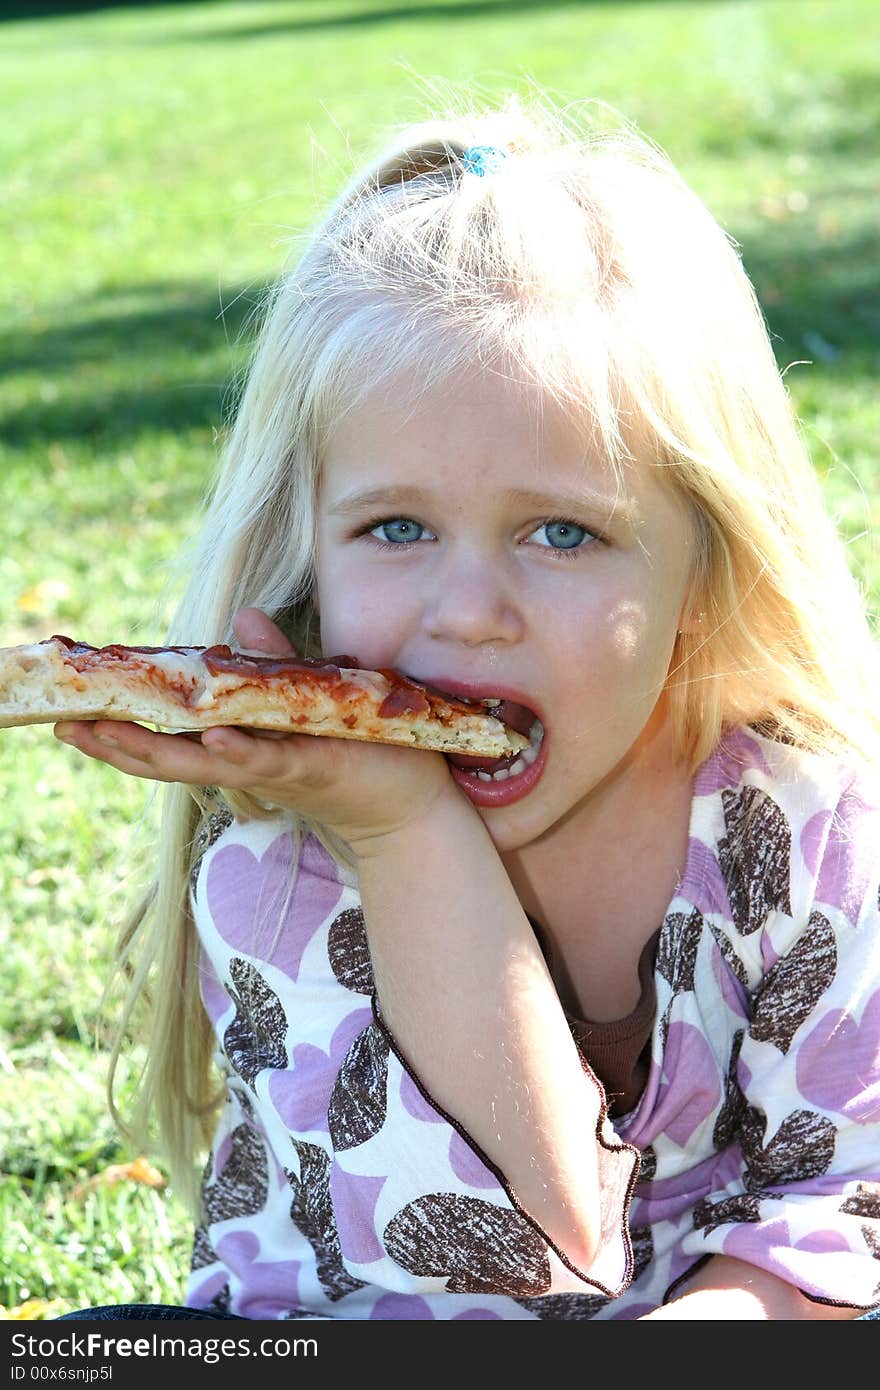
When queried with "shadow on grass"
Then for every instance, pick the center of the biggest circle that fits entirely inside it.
(156, 357)
(821, 297)
(368, 13)
(454, 10)
(51, 9)
(139, 359)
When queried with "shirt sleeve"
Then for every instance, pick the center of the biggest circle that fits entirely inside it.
(800, 1124)
(449, 1219)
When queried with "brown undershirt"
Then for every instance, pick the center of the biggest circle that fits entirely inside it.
(618, 1051)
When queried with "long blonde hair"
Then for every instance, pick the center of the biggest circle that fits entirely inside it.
(581, 263)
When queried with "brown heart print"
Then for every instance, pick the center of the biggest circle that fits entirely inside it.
(311, 1212)
(242, 1186)
(677, 949)
(801, 1148)
(794, 985)
(709, 1215)
(755, 857)
(359, 1098)
(734, 1106)
(476, 1246)
(349, 951)
(256, 1037)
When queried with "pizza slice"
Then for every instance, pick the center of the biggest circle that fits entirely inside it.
(184, 688)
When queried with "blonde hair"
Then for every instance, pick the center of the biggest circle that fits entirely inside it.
(580, 264)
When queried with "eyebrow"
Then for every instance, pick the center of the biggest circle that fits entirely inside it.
(561, 502)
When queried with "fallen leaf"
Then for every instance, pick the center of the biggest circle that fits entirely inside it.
(43, 596)
(33, 1310)
(139, 1170)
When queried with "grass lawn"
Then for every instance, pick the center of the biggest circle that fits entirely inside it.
(155, 164)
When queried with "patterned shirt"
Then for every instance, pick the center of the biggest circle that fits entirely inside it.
(336, 1187)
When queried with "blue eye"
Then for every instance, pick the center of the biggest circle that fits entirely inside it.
(400, 531)
(563, 535)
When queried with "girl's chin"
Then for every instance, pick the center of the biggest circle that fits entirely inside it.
(505, 792)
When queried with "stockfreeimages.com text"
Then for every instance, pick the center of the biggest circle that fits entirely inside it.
(96, 1345)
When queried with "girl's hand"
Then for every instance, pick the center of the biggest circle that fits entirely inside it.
(362, 791)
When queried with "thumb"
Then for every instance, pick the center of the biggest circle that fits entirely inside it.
(256, 632)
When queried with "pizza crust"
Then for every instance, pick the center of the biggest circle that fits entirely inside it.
(184, 688)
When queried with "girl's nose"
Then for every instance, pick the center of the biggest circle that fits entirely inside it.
(472, 605)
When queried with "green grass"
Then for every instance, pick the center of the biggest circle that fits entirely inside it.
(155, 164)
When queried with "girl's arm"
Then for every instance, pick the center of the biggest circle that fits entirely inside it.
(465, 992)
(728, 1290)
(461, 981)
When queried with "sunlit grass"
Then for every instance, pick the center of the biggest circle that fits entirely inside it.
(155, 163)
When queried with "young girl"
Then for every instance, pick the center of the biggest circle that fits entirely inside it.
(595, 1033)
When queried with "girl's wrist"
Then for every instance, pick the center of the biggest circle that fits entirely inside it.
(447, 809)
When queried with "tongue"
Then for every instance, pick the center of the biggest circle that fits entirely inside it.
(517, 717)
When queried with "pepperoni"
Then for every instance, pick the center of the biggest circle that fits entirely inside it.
(405, 696)
(223, 660)
(217, 659)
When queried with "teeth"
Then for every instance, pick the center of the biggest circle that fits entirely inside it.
(536, 738)
(525, 759)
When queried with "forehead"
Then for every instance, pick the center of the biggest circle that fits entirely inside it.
(479, 419)
(478, 436)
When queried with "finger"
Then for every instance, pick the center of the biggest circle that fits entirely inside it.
(242, 746)
(72, 730)
(140, 752)
(255, 631)
(113, 743)
(246, 759)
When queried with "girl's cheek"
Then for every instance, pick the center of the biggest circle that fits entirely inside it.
(627, 628)
(362, 617)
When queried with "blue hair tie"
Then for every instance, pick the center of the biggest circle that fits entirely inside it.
(482, 159)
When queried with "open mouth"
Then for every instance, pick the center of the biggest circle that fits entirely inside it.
(497, 782)
(494, 783)
(525, 722)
